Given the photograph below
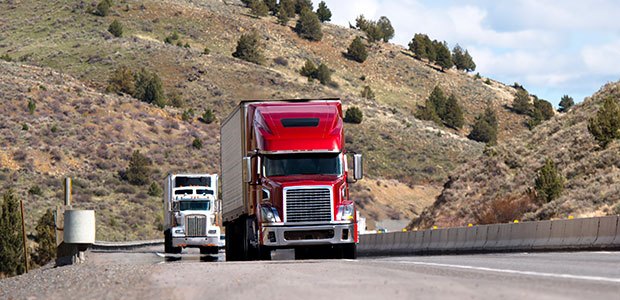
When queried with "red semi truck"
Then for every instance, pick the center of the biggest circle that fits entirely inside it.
(284, 180)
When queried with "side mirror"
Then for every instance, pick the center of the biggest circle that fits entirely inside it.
(175, 206)
(358, 170)
(247, 169)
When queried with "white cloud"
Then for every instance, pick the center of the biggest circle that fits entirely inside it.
(552, 47)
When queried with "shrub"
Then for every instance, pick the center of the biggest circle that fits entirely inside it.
(122, 81)
(46, 239)
(368, 93)
(308, 70)
(566, 103)
(428, 112)
(149, 88)
(103, 8)
(32, 106)
(155, 190)
(272, 5)
(385, 28)
(485, 127)
(35, 190)
(375, 31)
(549, 183)
(206, 51)
(6, 57)
(324, 13)
(11, 251)
(176, 100)
(139, 169)
(283, 17)
(259, 8)
(188, 115)
(208, 116)
(281, 61)
(249, 48)
(521, 103)
(353, 115)
(286, 8)
(357, 50)
(308, 26)
(54, 128)
(505, 210)
(605, 126)
(301, 5)
(25, 127)
(197, 143)
(324, 74)
(172, 38)
(116, 28)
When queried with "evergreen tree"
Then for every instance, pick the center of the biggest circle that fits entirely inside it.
(438, 99)
(249, 48)
(453, 114)
(545, 108)
(259, 8)
(308, 26)
(323, 12)
(428, 113)
(458, 56)
(11, 249)
(197, 144)
(287, 8)
(357, 50)
(122, 81)
(116, 28)
(549, 182)
(444, 58)
(308, 70)
(46, 238)
(566, 103)
(139, 170)
(283, 17)
(103, 8)
(149, 88)
(353, 115)
(470, 65)
(386, 29)
(605, 126)
(521, 103)
(361, 23)
(272, 5)
(373, 32)
(323, 74)
(301, 5)
(422, 47)
(155, 190)
(208, 116)
(485, 127)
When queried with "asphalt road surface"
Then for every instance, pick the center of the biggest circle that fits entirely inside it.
(146, 274)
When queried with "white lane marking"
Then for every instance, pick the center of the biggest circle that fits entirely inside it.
(531, 273)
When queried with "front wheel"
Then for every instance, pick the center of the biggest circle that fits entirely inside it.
(168, 243)
(349, 251)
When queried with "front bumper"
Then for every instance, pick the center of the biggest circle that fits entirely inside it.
(281, 236)
(201, 241)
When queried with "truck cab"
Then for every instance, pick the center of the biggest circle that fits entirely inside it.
(190, 213)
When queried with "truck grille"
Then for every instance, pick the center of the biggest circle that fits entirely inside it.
(196, 225)
(308, 205)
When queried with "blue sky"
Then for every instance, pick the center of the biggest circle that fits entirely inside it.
(552, 48)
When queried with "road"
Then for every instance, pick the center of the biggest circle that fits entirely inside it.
(144, 274)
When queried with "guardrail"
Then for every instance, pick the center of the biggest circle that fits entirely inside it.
(102, 245)
(585, 234)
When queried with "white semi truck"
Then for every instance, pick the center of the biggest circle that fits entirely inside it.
(190, 213)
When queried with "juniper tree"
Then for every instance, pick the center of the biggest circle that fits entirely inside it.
(368, 93)
(357, 50)
(549, 183)
(521, 103)
(566, 103)
(485, 127)
(122, 81)
(46, 239)
(249, 48)
(259, 8)
(308, 26)
(605, 126)
(385, 27)
(324, 13)
(138, 171)
(116, 28)
(453, 113)
(428, 113)
(444, 58)
(353, 115)
(11, 249)
(149, 88)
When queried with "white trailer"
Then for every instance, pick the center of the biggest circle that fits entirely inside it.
(191, 210)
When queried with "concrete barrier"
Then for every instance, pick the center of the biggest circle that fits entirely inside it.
(426, 240)
(470, 237)
(503, 236)
(452, 235)
(461, 238)
(556, 238)
(417, 241)
(522, 236)
(586, 234)
(481, 237)
(433, 245)
(616, 243)
(443, 239)
(607, 232)
(492, 237)
(543, 233)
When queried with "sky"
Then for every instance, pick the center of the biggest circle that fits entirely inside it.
(552, 48)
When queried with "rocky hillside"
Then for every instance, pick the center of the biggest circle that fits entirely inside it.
(500, 184)
(96, 133)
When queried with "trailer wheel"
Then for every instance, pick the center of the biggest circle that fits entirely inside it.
(231, 243)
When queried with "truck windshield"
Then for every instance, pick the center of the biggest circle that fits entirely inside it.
(302, 164)
(194, 205)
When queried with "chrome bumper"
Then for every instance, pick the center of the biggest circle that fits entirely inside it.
(208, 241)
(339, 230)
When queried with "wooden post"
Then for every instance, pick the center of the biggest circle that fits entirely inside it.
(21, 204)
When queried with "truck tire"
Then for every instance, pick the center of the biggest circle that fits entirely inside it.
(208, 250)
(168, 243)
(349, 251)
(231, 242)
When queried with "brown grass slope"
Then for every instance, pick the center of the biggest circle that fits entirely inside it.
(64, 37)
(499, 186)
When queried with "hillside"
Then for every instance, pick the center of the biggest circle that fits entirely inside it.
(74, 47)
(500, 182)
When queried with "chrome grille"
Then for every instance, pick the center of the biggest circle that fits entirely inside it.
(196, 225)
(308, 205)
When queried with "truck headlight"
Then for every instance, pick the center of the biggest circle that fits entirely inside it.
(269, 214)
(345, 212)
